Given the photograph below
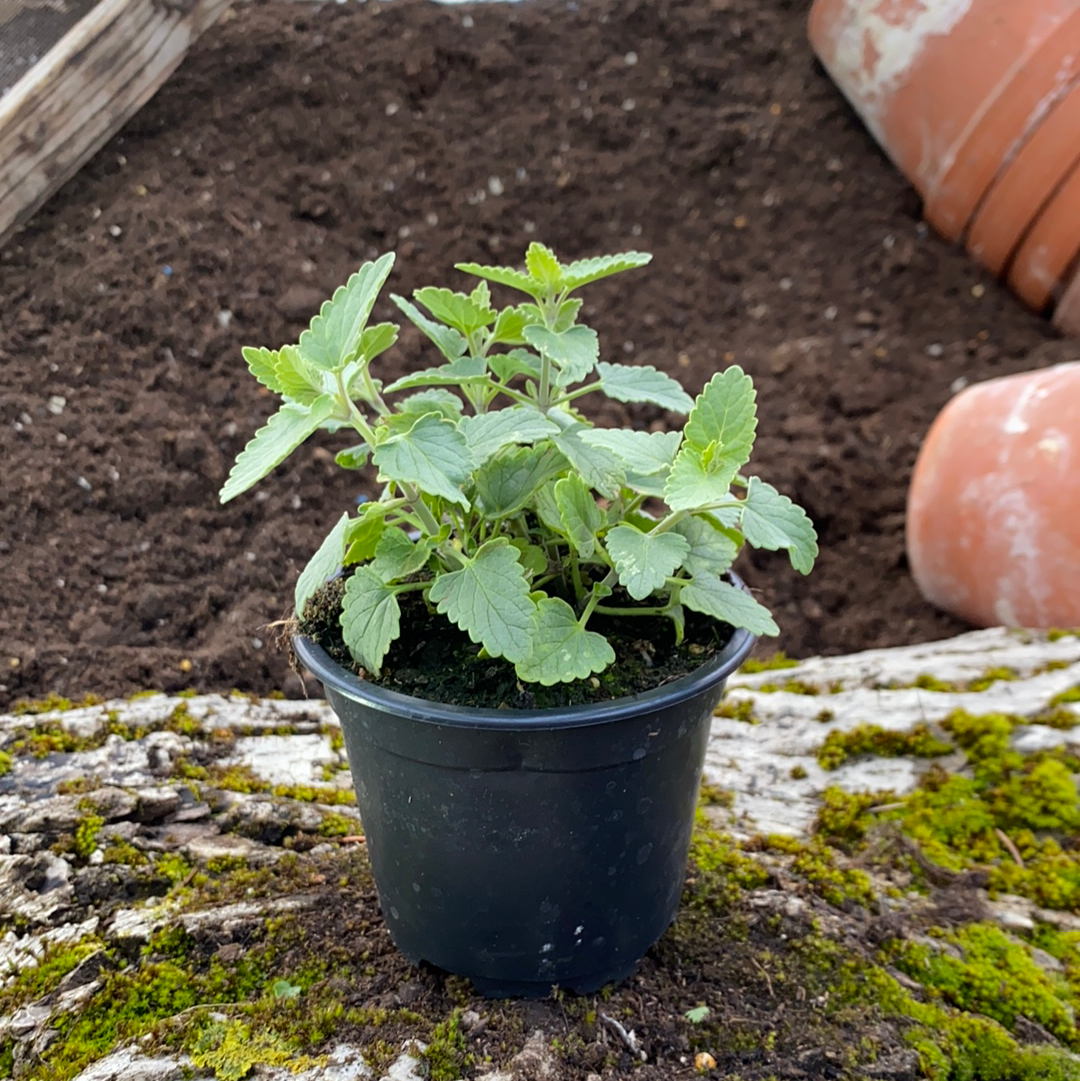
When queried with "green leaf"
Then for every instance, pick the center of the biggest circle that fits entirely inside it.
(532, 557)
(583, 271)
(544, 268)
(262, 363)
(489, 599)
(509, 324)
(370, 618)
(396, 556)
(450, 342)
(363, 532)
(724, 418)
(691, 484)
(516, 362)
(563, 650)
(298, 380)
(432, 454)
(643, 383)
(599, 467)
(645, 453)
(697, 1014)
(456, 373)
(515, 279)
(547, 510)
(507, 482)
(335, 333)
(711, 551)
(644, 561)
(722, 601)
(434, 400)
(455, 309)
(488, 433)
(326, 561)
(284, 989)
(770, 520)
(580, 515)
(574, 351)
(353, 457)
(377, 339)
(272, 444)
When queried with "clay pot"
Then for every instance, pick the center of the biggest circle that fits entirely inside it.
(1067, 312)
(993, 516)
(951, 89)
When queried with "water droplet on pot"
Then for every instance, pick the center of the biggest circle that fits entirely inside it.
(643, 853)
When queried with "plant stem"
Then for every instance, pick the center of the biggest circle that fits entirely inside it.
(608, 610)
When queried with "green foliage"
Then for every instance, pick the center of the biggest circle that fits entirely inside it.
(871, 739)
(446, 1055)
(503, 504)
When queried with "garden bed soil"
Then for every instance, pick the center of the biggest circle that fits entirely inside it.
(297, 141)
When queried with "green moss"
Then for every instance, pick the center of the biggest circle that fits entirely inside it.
(741, 710)
(446, 1055)
(711, 795)
(231, 1048)
(35, 981)
(86, 835)
(768, 664)
(871, 739)
(126, 853)
(798, 773)
(990, 677)
(816, 863)
(790, 686)
(993, 975)
(54, 701)
(181, 722)
(5, 763)
(1070, 695)
(173, 866)
(1057, 633)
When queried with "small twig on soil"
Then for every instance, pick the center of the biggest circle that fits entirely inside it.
(881, 808)
(768, 981)
(352, 839)
(238, 225)
(627, 1038)
(1013, 851)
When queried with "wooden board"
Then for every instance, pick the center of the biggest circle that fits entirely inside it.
(71, 73)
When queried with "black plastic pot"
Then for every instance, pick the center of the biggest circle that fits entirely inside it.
(528, 848)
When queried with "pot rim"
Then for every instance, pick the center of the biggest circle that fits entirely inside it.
(332, 675)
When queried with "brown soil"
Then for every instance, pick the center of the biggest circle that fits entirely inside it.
(297, 141)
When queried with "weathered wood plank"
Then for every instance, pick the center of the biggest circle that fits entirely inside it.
(66, 105)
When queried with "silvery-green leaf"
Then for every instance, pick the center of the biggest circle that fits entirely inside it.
(722, 601)
(724, 418)
(574, 351)
(516, 362)
(396, 556)
(363, 532)
(370, 618)
(547, 510)
(563, 650)
(353, 457)
(644, 561)
(489, 599)
(711, 551)
(770, 520)
(262, 363)
(509, 324)
(488, 433)
(434, 400)
(334, 335)
(567, 315)
(643, 383)
(583, 271)
(645, 453)
(532, 557)
(543, 268)
(326, 561)
(451, 343)
(455, 309)
(598, 466)
(456, 373)
(432, 454)
(506, 482)
(272, 444)
(580, 515)
(515, 279)
(377, 339)
(297, 379)
(692, 483)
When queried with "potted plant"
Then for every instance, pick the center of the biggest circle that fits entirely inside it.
(526, 634)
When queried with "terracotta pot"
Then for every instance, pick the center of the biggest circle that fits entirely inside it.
(1050, 246)
(1067, 312)
(951, 89)
(993, 517)
(1026, 183)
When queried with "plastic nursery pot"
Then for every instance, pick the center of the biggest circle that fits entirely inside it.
(951, 89)
(993, 526)
(528, 848)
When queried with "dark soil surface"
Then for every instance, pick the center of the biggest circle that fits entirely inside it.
(297, 141)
